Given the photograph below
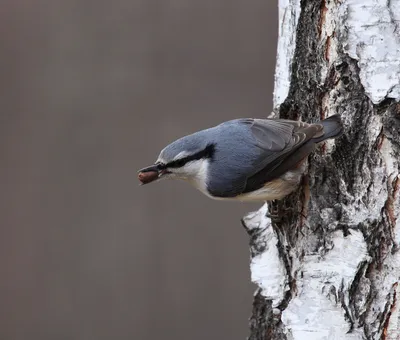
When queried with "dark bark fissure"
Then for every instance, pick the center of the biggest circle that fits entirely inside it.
(351, 158)
(265, 322)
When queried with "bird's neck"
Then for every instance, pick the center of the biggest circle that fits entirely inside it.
(198, 175)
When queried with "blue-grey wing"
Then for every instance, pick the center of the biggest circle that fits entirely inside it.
(262, 155)
(294, 140)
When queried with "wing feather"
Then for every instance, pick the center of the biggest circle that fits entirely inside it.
(273, 144)
(280, 140)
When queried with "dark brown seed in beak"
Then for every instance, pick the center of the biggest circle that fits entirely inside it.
(147, 177)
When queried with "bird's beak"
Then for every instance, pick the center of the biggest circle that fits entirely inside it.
(150, 174)
(150, 168)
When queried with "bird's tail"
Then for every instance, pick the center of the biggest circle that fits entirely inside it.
(333, 128)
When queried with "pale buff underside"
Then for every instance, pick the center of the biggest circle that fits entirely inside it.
(273, 190)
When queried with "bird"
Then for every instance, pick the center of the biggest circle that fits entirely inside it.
(244, 159)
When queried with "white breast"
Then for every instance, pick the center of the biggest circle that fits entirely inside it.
(198, 171)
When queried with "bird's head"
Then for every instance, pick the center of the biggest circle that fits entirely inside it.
(187, 158)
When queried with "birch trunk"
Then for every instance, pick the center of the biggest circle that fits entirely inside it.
(329, 266)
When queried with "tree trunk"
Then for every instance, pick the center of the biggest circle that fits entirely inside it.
(328, 264)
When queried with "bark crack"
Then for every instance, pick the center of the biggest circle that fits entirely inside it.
(389, 308)
(392, 17)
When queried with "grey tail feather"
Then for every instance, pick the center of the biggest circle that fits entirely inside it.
(333, 128)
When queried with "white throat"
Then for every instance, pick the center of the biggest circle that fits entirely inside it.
(196, 173)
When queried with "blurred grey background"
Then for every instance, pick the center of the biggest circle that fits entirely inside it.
(91, 91)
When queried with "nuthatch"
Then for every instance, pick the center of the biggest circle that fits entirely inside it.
(243, 159)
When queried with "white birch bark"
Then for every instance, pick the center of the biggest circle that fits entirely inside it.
(329, 266)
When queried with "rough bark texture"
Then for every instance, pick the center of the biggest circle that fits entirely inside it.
(328, 267)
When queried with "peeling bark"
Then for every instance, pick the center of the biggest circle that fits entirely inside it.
(329, 267)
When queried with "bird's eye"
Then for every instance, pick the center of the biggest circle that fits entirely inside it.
(160, 165)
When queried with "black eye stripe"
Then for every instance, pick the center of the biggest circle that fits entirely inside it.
(178, 163)
(207, 152)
